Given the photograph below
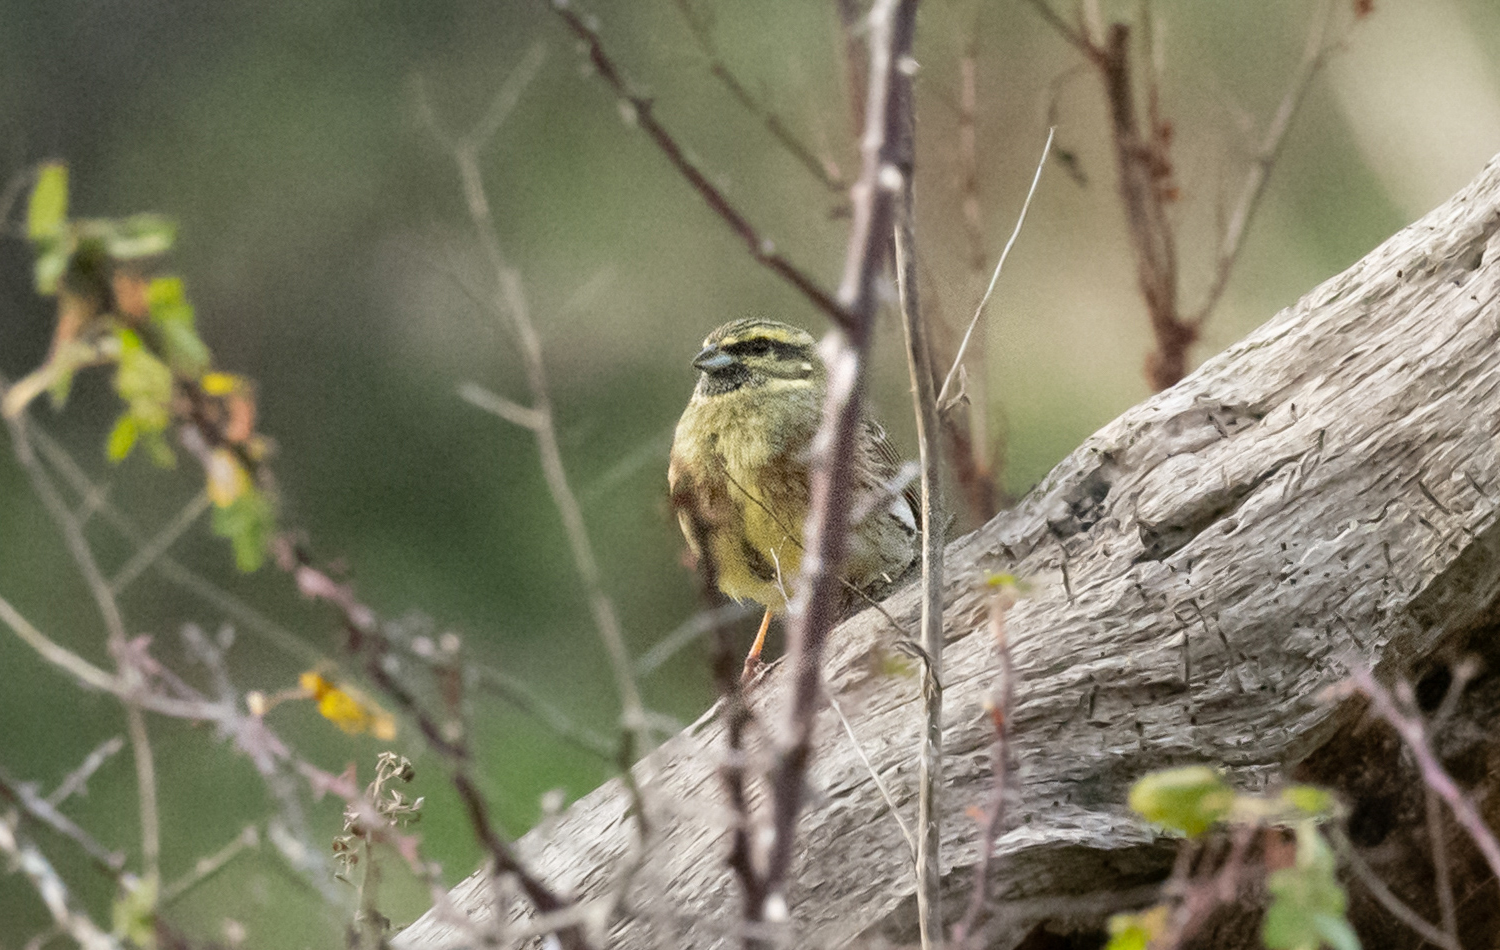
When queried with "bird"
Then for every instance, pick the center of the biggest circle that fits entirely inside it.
(739, 473)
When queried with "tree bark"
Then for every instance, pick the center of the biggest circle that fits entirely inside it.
(1322, 494)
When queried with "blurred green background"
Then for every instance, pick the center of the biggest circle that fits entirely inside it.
(321, 229)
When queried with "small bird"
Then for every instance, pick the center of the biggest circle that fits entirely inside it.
(740, 464)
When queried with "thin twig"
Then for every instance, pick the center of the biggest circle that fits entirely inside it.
(1434, 776)
(761, 249)
(116, 636)
(511, 302)
(53, 891)
(1314, 56)
(815, 607)
(23, 795)
(206, 867)
(824, 171)
(147, 554)
(1442, 877)
(1000, 703)
(76, 782)
(1385, 898)
(958, 358)
(698, 625)
(885, 793)
(90, 676)
(920, 370)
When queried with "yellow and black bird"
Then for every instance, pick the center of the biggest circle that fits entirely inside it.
(740, 464)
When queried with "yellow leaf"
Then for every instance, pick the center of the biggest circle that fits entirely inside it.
(227, 478)
(347, 709)
(219, 384)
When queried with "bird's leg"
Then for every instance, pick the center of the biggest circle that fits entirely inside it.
(752, 661)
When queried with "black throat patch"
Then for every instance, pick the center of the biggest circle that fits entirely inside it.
(725, 380)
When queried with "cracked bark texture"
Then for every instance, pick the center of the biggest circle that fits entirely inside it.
(1323, 492)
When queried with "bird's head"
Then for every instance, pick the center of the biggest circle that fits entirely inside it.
(756, 353)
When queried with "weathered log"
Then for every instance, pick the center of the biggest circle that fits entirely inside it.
(1322, 493)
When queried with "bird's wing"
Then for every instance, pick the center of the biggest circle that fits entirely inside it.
(886, 465)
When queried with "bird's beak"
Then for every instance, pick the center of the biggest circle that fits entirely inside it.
(712, 359)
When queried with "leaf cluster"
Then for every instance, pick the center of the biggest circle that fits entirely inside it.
(116, 308)
(1307, 909)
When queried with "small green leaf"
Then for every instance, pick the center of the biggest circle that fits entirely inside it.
(1311, 801)
(47, 212)
(1136, 931)
(141, 235)
(1189, 799)
(161, 453)
(1337, 932)
(122, 438)
(134, 913)
(248, 524)
(172, 315)
(142, 380)
(51, 263)
(1307, 902)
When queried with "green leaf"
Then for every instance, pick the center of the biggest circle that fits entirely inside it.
(142, 380)
(51, 263)
(141, 235)
(1136, 931)
(1189, 799)
(172, 315)
(1307, 902)
(122, 438)
(1337, 932)
(248, 524)
(47, 211)
(161, 453)
(1311, 801)
(134, 913)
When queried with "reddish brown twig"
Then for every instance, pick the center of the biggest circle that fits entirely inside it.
(1001, 701)
(1142, 139)
(760, 248)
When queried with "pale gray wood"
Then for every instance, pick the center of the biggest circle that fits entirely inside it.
(1324, 491)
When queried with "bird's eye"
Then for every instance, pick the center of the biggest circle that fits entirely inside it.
(758, 347)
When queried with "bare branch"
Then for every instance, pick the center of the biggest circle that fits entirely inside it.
(53, 891)
(512, 412)
(1434, 776)
(76, 782)
(147, 553)
(920, 370)
(823, 170)
(761, 249)
(1383, 896)
(815, 609)
(1314, 56)
(24, 796)
(114, 625)
(943, 395)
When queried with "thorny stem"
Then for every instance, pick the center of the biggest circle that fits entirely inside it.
(815, 608)
(1143, 161)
